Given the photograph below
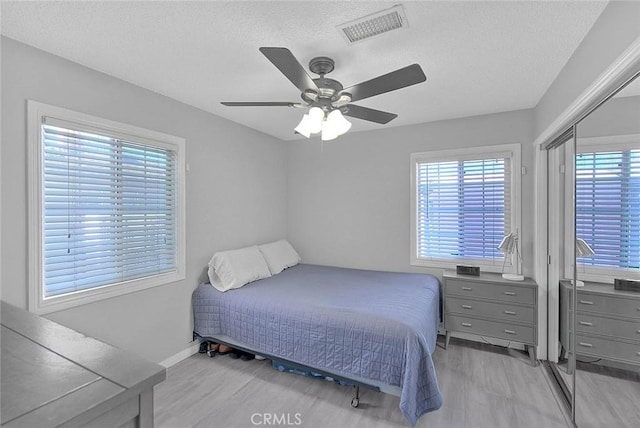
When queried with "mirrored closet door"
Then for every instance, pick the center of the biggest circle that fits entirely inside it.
(561, 227)
(607, 228)
(594, 239)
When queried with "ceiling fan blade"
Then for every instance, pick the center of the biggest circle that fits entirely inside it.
(398, 79)
(369, 114)
(284, 60)
(262, 104)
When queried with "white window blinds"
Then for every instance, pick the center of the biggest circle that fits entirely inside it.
(608, 207)
(463, 208)
(109, 209)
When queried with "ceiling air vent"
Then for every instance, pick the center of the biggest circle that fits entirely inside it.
(374, 24)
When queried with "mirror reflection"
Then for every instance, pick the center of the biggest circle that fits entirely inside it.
(607, 262)
(561, 269)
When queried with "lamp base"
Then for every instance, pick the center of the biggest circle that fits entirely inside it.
(513, 276)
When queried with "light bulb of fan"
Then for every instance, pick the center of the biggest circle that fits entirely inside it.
(329, 132)
(338, 122)
(304, 127)
(316, 116)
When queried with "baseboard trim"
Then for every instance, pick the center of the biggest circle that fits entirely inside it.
(193, 348)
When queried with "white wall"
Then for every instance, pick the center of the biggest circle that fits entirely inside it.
(236, 192)
(349, 204)
(617, 116)
(614, 31)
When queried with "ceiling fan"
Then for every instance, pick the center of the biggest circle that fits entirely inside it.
(327, 99)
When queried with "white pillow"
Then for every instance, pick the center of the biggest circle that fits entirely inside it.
(279, 255)
(235, 268)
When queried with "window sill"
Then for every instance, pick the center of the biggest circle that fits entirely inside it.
(451, 264)
(40, 305)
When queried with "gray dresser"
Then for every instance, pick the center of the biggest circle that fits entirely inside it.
(53, 376)
(491, 306)
(607, 322)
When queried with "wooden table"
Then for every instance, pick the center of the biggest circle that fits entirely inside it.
(53, 376)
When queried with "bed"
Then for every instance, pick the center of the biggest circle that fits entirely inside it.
(375, 328)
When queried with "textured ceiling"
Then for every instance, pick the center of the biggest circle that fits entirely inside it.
(479, 57)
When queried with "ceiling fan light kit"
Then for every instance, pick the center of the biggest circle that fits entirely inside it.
(331, 125)
(328, 101)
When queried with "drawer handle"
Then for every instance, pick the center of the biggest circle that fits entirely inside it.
(467, 288)
(509, 312)
(510, 332)
(466, 306)
(466, 324)
(586, 323)
(510, 293)
(586, 345)
(586, 302)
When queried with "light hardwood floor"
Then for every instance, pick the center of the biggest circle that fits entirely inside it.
(482, 386)
(606, 397)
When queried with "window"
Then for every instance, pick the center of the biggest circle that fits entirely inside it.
(608, 206)
(463, 204)
(106, 208)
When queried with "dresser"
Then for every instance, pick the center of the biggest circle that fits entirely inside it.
(53, 376)
(607, 322)
(491, 306)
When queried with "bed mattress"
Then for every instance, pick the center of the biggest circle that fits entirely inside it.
(373, 325)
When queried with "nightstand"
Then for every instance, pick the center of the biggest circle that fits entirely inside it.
(607, 323)
(489, 305)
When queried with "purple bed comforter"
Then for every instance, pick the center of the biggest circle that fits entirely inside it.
(375, 325)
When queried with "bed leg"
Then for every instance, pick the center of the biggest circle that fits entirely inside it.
(355, 401)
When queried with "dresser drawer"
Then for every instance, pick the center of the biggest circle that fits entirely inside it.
(496, 329)
(487, 290)
(611, 349)
(603, 304)
(502, 311)
(593, 324)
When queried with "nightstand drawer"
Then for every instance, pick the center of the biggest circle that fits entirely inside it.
(487, 290)
(593, 324)
(495, 329)
(607, 304)
(604, 348)
(502, 311)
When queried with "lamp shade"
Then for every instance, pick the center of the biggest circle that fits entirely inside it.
(509, 244)
(304, 127)
(329, 132)
(583, 249)
(316, 116)
(338, 122)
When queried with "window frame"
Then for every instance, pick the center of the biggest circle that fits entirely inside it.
(590, 145)
(467, 153)
(40, 304)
